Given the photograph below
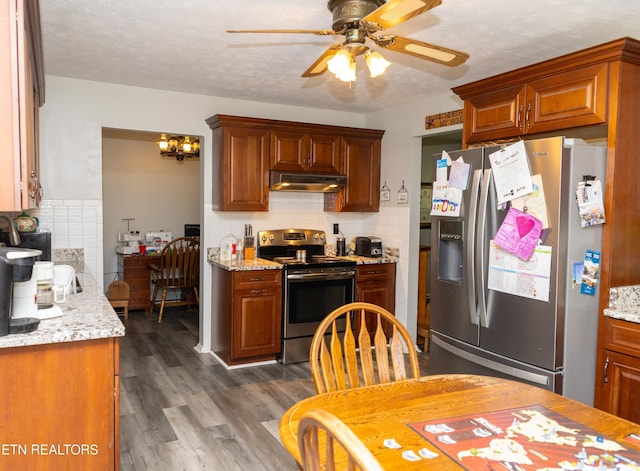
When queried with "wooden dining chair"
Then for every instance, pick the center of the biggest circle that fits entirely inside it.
(318, 427)
(177, 269)
(118, 295)
(351, 360)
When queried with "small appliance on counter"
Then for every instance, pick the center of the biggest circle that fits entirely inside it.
(16, 265)
(369, 246)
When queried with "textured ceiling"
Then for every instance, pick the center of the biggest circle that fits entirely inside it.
(181, 45)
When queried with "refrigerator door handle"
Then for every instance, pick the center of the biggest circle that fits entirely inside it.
(471, 247)
(480, 247)
(511, 371)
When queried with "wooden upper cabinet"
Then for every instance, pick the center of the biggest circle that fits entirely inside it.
(562, 100)
(361, 165)
(240, 165)
(299, 151)
(21, 95)
(246, 149)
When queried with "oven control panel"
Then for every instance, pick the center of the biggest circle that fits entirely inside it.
(288, 237)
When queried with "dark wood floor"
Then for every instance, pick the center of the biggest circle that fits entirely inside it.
(181, 410)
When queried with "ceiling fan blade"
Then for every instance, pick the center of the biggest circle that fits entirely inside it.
(318, 32)
(423, 50)
(320, 65)
(395, 12)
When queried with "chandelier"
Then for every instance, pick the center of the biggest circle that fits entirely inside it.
(179, 147)
(343, 64)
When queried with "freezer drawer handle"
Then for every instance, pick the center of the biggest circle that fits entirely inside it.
(492, 365)
(606, 367)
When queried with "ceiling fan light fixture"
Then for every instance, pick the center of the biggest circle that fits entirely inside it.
(376, 63)
(343, 66)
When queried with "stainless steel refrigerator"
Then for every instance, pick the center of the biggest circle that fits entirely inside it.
(550, 343)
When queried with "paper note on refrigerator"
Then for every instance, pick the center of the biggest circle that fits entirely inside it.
(534, 203)
(459, 177)
(510, 274)
(511, 173)
(442, 166)
(446, 200)
(591, 272)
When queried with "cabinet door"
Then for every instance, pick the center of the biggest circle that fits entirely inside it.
(19, 102)
(244, 178)
(567, 100)
(324, 153)
(494, 115)
(622, 385)
(289, 151)
(376, 284)
(305, 152)
(361, 165)
(256, 322)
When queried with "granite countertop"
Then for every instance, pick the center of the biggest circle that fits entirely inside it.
(86, 316)
(624, 303)
(262, 264)
(245, 265)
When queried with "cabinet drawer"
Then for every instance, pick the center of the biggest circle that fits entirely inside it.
(257, 279)
(377, 271)
(623, 337)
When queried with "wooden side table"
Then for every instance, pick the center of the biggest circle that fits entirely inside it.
(134, 269)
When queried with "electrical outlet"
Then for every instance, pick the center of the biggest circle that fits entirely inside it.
(336, 228)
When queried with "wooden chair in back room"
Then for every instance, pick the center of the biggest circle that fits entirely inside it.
(351, 360)
(118, 295)
(341, 445)
(177, 269)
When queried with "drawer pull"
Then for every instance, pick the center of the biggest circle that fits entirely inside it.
(257, 291)
(606, 367)
(256, 279)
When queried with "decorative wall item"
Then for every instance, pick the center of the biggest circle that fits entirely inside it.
(385, 193)
(403, 195)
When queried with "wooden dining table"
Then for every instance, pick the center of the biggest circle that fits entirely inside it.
(480, 415)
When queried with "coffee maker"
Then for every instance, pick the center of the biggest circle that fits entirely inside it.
(16, 265)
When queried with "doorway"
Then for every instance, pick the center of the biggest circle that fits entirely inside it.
(143, 192)
(432, 145)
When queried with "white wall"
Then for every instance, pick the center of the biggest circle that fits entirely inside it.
(71, 166)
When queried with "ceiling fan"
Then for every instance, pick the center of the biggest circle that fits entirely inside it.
(359, 21)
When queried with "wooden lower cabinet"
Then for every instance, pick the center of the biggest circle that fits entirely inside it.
(134, 269)
(61, 406)
(376, 284)
(622, 385)
(247, 315)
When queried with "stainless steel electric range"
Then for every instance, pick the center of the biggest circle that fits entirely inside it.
(314, 284)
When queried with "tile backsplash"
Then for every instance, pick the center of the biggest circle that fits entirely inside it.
(74, 224)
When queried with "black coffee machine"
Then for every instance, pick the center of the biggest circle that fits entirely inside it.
(16, 265)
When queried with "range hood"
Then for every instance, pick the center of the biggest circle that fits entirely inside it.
(318, 182)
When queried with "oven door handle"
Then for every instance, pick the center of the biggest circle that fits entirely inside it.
(322, 276)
